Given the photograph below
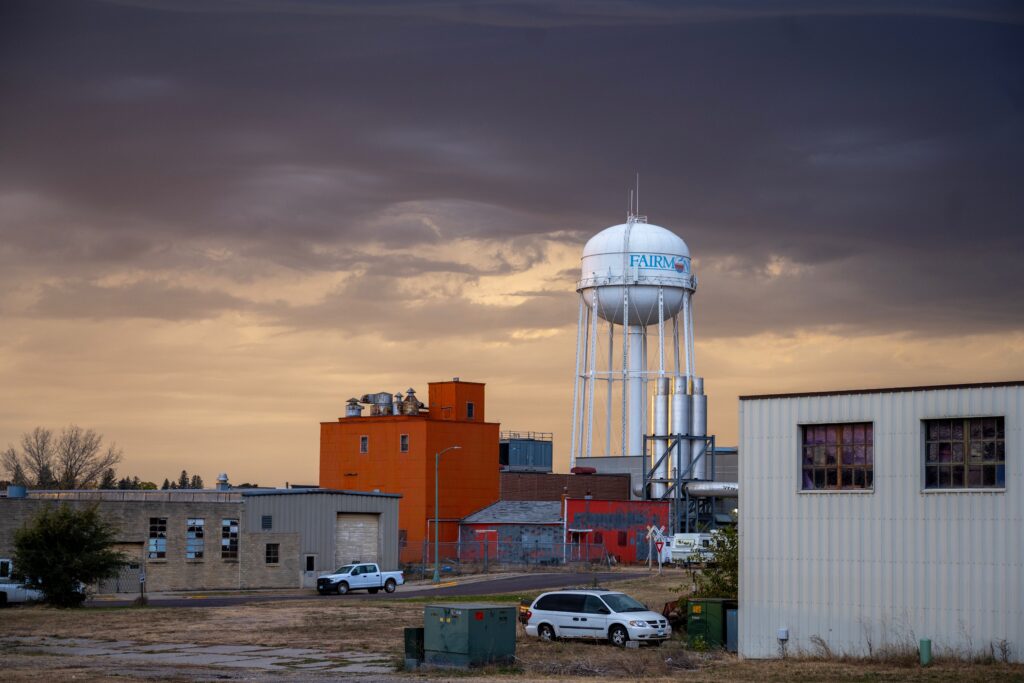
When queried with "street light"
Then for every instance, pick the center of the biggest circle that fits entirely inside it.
(437, 557)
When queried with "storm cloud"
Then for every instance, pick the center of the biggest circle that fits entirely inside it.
(430, 171)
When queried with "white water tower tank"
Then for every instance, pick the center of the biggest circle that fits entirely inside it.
(643, 257)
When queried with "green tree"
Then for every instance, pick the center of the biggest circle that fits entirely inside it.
(720, 578)
(196, 482)
(63, 549)
(109, 480)
(183, 480)
(166, 485)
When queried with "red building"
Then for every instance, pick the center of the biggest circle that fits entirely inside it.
(618, 526)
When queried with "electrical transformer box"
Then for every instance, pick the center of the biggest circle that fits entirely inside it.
(468, 634)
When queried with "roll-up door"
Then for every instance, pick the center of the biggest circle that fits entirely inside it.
(356, 538)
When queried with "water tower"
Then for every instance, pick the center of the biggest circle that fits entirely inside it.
(635, 373)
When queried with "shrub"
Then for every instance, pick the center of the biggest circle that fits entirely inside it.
(62, 550)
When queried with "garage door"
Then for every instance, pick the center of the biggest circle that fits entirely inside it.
(355, 538)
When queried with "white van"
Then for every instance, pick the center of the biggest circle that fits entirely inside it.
(598, 614)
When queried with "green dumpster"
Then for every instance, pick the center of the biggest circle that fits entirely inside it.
(467, 634)
(705, 621)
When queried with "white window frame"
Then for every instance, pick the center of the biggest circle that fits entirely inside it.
(364, 443)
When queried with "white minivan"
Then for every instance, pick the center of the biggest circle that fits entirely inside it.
(599, 614)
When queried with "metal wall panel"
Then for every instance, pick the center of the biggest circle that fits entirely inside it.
(314, 514)
(889, 566)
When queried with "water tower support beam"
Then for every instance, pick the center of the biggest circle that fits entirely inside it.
(577, 378)
(592, 357)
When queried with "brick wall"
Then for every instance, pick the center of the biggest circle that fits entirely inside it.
(130, 519)
(543, 486)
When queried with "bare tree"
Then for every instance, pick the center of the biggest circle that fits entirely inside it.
(76, 459)
(37, 455)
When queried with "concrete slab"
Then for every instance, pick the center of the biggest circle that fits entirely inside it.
(161, 647)
(254, 663)
(313, 665)
(229, 649)
(291, 652)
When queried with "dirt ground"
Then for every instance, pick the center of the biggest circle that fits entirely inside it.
(376, 625)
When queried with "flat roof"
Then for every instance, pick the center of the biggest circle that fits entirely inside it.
(187, 495)
(308, 491)
(887, 390)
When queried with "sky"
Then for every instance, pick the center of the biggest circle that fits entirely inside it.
(220, 219)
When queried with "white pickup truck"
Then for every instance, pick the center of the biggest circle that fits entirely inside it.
(355, 577)
(13, 591)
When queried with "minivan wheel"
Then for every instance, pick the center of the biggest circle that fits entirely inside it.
(618, 635)
(545, 632)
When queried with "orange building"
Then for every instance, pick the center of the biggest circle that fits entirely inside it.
(392, 451)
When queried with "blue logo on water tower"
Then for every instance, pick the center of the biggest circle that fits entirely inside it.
(678, 264)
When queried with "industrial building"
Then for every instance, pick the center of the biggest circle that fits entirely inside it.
(556, 486)
(879, 517)
(228, 539)
(560, 531)
(393, 450)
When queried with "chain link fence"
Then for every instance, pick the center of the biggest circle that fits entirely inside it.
(476, 557)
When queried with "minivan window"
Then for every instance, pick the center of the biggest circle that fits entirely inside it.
(562, 602)
(620, 602)
(593, 605)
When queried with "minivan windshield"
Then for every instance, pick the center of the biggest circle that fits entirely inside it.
(620, 602)
(345, 570)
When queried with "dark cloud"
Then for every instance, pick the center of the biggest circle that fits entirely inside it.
(136, 300)
(878, 152)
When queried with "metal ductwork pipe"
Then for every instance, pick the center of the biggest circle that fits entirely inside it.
(661, 399)
(699, 427)
(716, 489)
(681, 425)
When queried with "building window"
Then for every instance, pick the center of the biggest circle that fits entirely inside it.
(194, 541)
(273, 553)
(364, 444)
(5, 569)
(403, 538)
(838, 457)
(622, 538)
(267, 522)
(157, 538)
(965, 453)
(310, 563)
(403, 443)
(598, 537)
(229, 539)
(470, 410)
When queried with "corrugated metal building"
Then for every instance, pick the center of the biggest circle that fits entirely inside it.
(881, 517)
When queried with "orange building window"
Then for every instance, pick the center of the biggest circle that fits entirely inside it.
(403, 443)
(470, 410)
(364, 444)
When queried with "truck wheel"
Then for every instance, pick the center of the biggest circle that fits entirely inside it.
(372, 591)
(390, 585)
(546, 633)
(618, 636)
(343, 588)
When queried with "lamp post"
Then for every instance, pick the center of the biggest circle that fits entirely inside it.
(437, 507)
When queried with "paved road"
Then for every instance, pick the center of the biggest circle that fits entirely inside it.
(511, 584)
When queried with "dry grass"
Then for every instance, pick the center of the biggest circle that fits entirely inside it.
(375, 625)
